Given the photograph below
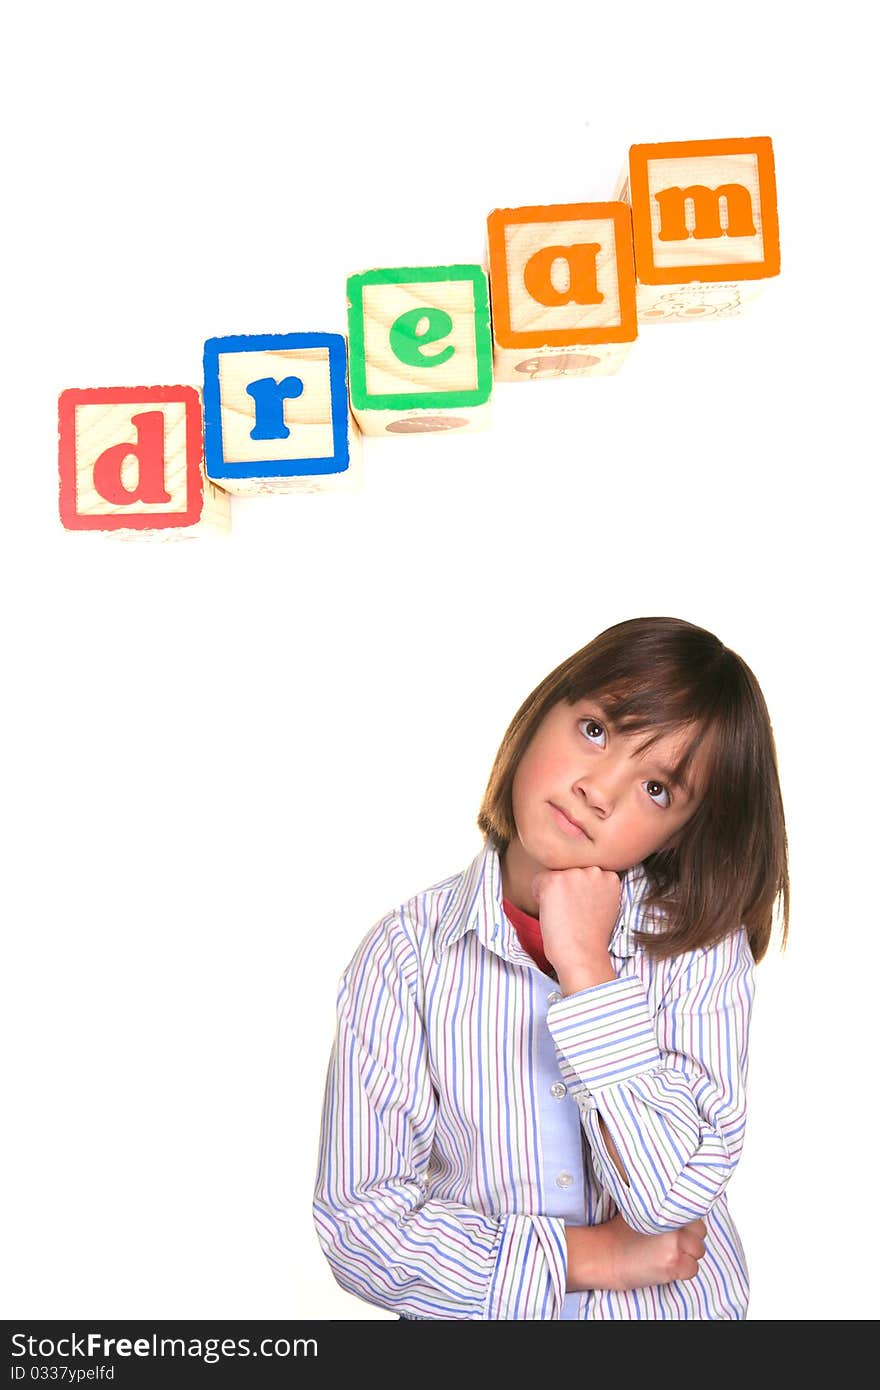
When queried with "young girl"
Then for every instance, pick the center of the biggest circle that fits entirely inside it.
(536, 1097)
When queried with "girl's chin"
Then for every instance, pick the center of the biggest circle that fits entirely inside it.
(559, 860)
(555, 856)
(571, 860)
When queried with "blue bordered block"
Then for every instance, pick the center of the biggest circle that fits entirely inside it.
(277, 416)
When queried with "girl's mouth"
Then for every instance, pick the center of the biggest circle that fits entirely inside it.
(565, 823)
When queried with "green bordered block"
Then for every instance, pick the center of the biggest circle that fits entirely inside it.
(420, 349)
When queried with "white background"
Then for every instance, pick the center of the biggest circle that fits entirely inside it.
(226, 759)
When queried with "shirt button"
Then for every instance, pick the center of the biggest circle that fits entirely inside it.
(558, 1089)
(564, 1180)
(554, 997)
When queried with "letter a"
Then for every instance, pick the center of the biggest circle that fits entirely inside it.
(582, 285)
(150, 454)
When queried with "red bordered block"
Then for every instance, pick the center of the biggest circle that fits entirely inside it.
(130, 462)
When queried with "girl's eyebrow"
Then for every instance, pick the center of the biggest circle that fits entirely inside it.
(594, 707)
(676, 779)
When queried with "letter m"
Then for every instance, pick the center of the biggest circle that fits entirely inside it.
(705, 205)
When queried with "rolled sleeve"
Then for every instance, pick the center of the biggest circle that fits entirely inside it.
(604, 1035)
(669, 1085)
(528, 1279)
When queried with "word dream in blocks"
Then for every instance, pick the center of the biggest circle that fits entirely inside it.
(420, 349)
(563, 289)
(277, 414)
(130, 463)
(692, 233)
(705, 227)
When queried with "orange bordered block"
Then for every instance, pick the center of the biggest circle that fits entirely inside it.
(276, 414)
(563, 289)
(705, 226)
(130, 463)
(420, 345)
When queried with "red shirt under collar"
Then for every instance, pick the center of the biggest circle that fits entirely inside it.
(528, 929)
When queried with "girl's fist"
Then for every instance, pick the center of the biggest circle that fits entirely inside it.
(578, 909)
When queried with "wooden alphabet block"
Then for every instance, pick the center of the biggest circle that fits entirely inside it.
(563, 289)
(130, 462)
(705, 225)
(276, 414)
(421, 349)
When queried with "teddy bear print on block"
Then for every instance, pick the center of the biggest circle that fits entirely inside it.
(277, 417)
(420, 342)
(705, 226)
(130, 463)
(563, 290)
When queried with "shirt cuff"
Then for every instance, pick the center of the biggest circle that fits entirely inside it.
(604, 1034)
(528, 1281)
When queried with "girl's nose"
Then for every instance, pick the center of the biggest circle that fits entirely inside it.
(597, 789)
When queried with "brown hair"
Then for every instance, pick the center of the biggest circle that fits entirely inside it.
(729, 867)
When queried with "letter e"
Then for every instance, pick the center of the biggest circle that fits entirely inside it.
(411, 333)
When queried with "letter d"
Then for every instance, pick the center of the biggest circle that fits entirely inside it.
(149, 450)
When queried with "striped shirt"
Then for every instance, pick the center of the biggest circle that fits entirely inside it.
(460, 1129)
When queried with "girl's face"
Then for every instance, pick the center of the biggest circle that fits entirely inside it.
(583, 795)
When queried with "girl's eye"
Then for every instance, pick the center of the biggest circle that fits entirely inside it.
(657, 792)
(593, 730)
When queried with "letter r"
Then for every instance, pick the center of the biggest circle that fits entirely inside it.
(269, 397)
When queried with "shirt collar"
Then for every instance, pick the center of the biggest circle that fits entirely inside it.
(475, 904)
(631, 919)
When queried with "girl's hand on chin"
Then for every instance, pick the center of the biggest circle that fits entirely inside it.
(578, 909)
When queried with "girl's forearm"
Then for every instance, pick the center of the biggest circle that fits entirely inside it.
(588, 1258)
(612, 1256)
